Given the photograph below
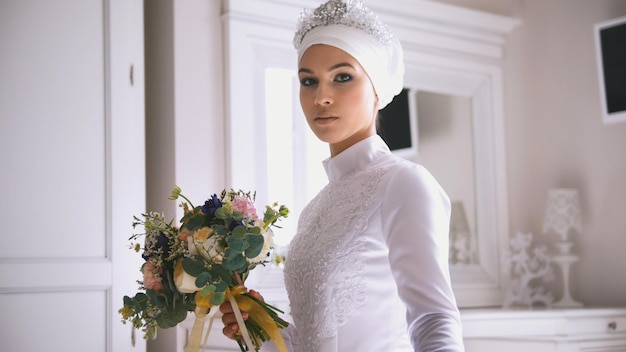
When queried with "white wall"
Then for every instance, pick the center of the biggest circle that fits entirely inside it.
(555, 134)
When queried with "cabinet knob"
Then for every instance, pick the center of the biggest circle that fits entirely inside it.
(612, 326)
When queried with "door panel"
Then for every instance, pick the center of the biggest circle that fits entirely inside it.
(52, 139)
(63, 309)
(72, 155)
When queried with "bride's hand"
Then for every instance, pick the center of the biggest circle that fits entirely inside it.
(228, 318)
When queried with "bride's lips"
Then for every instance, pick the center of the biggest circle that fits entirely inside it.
(325, 119)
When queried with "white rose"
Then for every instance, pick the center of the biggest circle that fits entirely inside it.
(214, 249)
(204, 242)
(185, 283)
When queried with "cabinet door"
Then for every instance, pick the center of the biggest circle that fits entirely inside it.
(72, 156)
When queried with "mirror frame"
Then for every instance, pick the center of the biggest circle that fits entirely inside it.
(448, 50)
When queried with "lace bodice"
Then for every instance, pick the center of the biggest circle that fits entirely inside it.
(325, 278)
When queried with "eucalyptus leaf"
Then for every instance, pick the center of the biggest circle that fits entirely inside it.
(255, 245)
(237, 216)
(220, 230)
(236, 244)
(231, 253)
(219, 272)
(203, 278)
(238, 263)
(255, 240)
(207, 290)
(152, 297)
(193, 266)
(171, 317)
(195, 222)
(140, 300)
(217, 298)
(221, 287)
(239, 232)
(253, 252)
(220, 213)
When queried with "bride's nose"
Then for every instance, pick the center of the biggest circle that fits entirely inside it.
(323, 95)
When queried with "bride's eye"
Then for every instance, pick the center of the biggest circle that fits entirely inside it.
(306, 82)
(343, 77)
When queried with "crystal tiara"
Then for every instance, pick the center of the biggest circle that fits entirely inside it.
(351, 13)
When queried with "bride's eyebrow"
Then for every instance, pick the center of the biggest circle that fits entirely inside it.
(333, 67)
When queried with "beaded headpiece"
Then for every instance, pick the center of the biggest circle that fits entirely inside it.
(350, 13)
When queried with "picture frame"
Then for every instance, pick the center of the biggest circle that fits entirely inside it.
(610, 37)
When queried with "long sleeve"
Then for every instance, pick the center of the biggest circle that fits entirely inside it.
(416, 215)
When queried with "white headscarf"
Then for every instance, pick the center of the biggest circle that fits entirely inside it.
(383, 63)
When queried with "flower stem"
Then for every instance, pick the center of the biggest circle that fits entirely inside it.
(188, 201)
(238, 277)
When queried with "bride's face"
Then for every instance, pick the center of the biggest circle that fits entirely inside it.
(337, 97)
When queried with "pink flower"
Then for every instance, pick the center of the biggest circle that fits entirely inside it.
(152, 276)
(183, 234)
(244, 205)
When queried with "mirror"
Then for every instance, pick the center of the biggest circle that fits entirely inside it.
(453, 76)
(446, 148)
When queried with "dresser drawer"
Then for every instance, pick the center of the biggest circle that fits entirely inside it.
(561, 322)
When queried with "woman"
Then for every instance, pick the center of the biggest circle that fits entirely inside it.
(368, 267)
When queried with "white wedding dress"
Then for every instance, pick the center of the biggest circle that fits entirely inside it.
(368, 268)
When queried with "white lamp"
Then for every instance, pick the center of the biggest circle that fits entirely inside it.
(562, 216)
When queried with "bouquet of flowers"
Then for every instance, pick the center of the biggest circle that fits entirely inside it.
(197, 266)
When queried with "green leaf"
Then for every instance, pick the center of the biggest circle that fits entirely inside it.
(195, 222)
(254, 230)
(231, 253)
(128, 301)
(237, 263)
(203, 278)
(221, 287)
(239, 232)
(217, 298)
(140, 301)
(237, 216)
(220, 272)
(255, 245)
(220, 230)
(152, 297)
(235, 245)
(193, 266)
(253, 252)
(207, 290)
(220, 213)
(171, 318)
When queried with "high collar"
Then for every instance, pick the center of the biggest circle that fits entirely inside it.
(355, 157)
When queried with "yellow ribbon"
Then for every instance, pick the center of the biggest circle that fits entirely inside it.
(202, 308)
(257, 314)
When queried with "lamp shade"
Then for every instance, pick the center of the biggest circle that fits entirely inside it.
(563, 212)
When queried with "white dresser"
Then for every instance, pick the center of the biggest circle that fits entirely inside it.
(554, 330)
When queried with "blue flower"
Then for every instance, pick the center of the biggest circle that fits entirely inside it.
(211, 205)
(161, 243)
